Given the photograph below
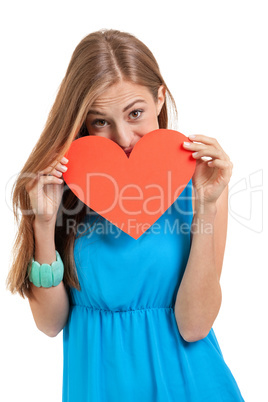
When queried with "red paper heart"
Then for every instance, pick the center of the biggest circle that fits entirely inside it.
(132, 193)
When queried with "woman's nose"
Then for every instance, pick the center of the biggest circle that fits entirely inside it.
(123, 136)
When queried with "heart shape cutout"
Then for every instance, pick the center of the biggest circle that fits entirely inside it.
(130, 192)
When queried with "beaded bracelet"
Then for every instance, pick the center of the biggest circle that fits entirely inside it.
(46, 275)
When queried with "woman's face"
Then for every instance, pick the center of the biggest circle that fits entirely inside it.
(125, 113)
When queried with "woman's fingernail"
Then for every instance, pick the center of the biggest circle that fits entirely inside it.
(191, 137)
(187, 144)
(65, 160)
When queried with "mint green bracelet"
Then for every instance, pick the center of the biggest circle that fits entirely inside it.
(46, 275)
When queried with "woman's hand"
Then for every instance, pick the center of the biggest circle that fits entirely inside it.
(45, 191)
(210, 177)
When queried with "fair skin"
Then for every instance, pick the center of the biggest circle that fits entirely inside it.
(199, 296)
(125, 128)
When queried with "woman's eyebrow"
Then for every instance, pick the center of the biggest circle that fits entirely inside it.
(124, 110)
(132, 104)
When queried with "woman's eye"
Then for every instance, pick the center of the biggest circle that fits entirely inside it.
(136, 113)
(102, 122)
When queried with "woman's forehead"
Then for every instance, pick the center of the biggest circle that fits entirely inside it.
(123, 94)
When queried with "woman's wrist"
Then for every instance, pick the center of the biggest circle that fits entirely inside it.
(44, 235)
(205, 209)
(44, 225)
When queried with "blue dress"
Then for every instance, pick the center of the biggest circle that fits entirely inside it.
(121, 342)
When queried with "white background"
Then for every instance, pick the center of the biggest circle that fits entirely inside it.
(213, 56)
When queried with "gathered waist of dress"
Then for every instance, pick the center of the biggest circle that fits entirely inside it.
(130, 310)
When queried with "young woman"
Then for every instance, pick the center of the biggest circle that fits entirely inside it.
(136, 315)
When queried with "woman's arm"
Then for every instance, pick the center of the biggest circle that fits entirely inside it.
(50, 306)
(199, 296)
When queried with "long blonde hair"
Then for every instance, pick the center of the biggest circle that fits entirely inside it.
(100, 60)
